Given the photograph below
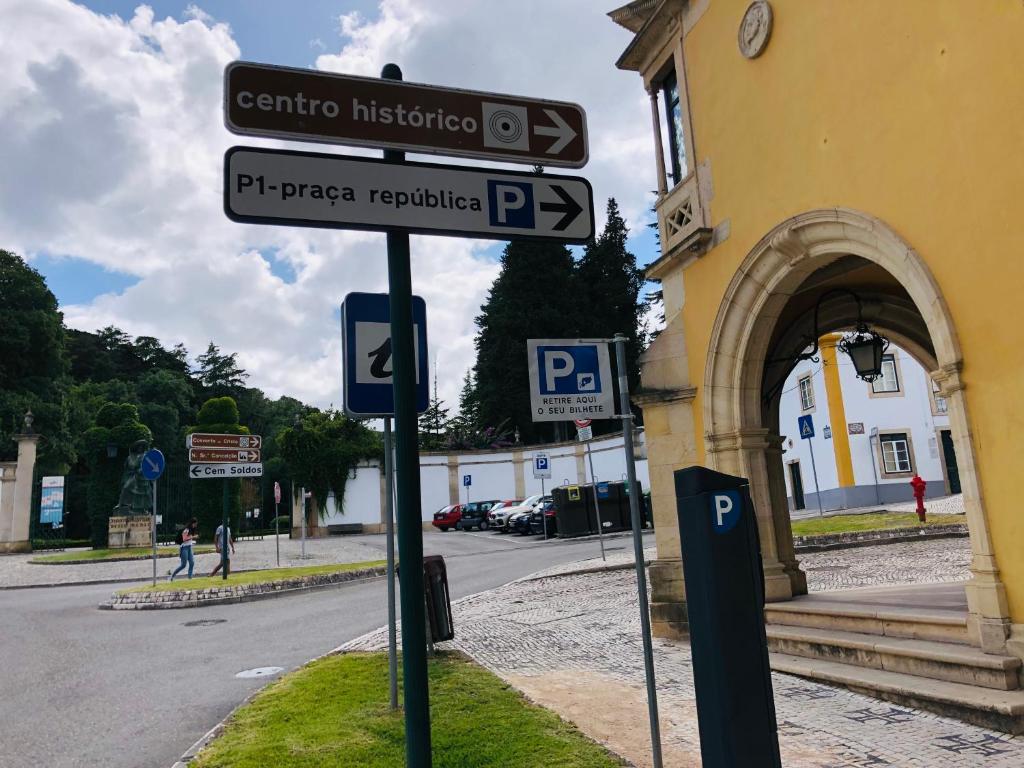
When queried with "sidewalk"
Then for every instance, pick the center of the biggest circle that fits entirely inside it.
(19, 571)
(572, 644)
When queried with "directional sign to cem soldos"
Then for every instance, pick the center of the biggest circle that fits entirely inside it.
(306, 105)
(217, 456)
(311, 189)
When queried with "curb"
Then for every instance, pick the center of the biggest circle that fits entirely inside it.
(827, 542)
(139, 558)
(581, 571)
(366, 574)
(97, 582)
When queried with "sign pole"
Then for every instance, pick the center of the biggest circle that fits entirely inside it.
(303, 554)
(543, 517)
(814, 470)
(154, 533)
(638, 548)
(597, 505)
(225, 538)
(410, 531)
(389, 529)
(277, 531)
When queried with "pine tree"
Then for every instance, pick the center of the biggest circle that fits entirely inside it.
(608, 278)
(531, 298)
(219, 374)
(433, 422)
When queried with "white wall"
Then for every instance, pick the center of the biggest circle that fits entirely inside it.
(493, 473)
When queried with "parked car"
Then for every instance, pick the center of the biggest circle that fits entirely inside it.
(500, 511)
(520, 522)
(499, 517)
(474, 514)
(447, 517)
(543, 519)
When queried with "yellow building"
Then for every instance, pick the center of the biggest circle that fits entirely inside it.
(804, 146)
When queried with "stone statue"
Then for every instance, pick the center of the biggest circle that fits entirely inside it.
(136, 494)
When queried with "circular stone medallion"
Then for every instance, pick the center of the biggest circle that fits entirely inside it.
(755, 29)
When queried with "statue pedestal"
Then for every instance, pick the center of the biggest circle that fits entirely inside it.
(140, 531)
(117, 533)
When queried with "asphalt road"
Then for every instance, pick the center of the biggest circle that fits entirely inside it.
(125, 689)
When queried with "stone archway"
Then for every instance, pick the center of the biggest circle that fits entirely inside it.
(739, 438)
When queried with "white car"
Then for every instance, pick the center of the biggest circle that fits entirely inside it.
(501, 518)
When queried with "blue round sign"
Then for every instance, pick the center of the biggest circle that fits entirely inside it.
(153, 464)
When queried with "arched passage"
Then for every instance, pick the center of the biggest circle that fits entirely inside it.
(767, 315)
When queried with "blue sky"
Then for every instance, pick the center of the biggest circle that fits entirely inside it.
(114, 144)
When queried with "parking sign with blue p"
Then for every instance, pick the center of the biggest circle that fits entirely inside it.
(726, 508)
(570, 379)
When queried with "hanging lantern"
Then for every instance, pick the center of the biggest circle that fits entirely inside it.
(865, 348)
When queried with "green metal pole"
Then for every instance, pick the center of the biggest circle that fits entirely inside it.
(410, 532)
(225, 541)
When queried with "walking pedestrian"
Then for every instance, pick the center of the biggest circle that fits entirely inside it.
(220, 540)
(186, 538)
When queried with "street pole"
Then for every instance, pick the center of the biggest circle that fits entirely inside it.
(154, 533)
(389, 528)
(543, 516)
(638, 548)
(277, 531)
(225, 538)
(303, 555)
(597, 505)
(814, 471)
(874, 469)
(410, 531)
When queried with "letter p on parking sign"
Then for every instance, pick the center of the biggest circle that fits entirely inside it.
(570, 379)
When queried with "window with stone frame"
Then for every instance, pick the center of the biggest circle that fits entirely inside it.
(678, 168)
(896, 453)
(806, 393)
(889, 381)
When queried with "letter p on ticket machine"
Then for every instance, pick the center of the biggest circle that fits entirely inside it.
(725, 604)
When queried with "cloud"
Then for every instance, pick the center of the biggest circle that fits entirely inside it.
(113, 147)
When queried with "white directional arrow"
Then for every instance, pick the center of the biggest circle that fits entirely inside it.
(561, 129)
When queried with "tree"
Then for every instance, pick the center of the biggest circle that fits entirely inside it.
(219, 374)
(608, 280)
(33, 367)
(433, 422)
(321, 451)
(106, 447)
(532, 297)
(219, 416)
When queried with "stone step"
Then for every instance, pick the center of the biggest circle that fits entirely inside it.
(997, 710)
(918, 624)
(922, 658)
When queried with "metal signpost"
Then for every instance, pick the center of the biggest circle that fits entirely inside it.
(302, 104)
(571, 379)
(542, 472)
(585, 433)
(368, 390)
(224, 457)
(390, 195)
(806, 426)
(312, 189)
(153, 464)
(467, 481)
(277, 519)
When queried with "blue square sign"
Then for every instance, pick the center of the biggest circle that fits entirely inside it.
(570, 379)
(805, 424)
(510, 204)
(366, 354)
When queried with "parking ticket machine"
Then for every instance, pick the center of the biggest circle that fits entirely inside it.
(725, 604)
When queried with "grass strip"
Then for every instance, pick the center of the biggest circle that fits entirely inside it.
(873, 521)
(334, 712)
(251, 577)
(128, 553)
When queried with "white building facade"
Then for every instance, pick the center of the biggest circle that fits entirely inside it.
(869, 439)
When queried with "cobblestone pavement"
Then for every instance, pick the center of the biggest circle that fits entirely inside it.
(914, 562)
(572, 644)
(18, 571)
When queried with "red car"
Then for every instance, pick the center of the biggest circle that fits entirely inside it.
(447, 517)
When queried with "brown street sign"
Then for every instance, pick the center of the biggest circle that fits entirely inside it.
(222, 456)
(209, 440)
(307, 105)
